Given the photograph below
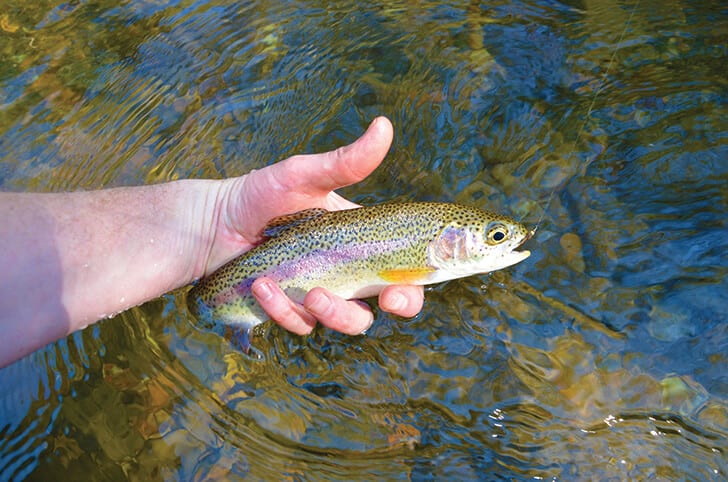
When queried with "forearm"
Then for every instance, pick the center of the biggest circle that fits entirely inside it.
(71, 259)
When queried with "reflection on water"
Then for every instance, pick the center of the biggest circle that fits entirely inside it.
(602, 356)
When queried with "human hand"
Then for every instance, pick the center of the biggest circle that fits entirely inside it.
(74, 258)
(297, 183)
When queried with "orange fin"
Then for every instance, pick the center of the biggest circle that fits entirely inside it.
(276, 226)
(411, 276)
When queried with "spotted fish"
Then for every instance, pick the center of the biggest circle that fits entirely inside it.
(356, 253)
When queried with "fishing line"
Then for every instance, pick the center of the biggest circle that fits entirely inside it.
(593, 102)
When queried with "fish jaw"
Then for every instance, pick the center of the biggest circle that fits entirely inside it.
(504, 261)
(476, 267)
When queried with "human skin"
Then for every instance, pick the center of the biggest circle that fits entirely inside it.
(71, 259)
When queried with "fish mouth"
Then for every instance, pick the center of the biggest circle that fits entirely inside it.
(528, 236)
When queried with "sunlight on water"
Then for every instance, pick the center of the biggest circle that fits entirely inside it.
(600, 357)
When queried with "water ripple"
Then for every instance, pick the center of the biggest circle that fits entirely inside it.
(602, 356)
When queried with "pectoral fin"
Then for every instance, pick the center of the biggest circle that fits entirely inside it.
(234, 321)
(409, 276)
(241, 337)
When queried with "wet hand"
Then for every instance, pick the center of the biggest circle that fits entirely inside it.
(303, 182)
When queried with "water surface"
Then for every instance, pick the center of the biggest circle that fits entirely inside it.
(602, 356)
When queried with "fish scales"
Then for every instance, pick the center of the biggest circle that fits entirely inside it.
(357, 252)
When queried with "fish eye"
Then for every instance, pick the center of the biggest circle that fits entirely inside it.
(497, 233)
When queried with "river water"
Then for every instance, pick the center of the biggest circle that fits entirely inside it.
(601, 357)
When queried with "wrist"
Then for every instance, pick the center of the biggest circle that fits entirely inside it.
(208, 209)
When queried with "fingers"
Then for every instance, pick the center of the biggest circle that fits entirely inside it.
(403, 301)
(349, 317)
(291, 316)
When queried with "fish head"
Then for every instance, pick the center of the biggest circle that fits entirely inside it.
(478, 244)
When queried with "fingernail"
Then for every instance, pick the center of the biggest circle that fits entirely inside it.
(397, 302)
(263, 290)
(320, 305)
(371, 322)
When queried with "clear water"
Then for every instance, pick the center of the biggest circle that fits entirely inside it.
(601, 357)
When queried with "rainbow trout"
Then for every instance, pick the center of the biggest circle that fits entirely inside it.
(356, 253)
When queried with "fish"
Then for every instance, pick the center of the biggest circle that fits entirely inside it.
(355, 253)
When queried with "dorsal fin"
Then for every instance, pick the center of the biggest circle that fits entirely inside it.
(276, 226)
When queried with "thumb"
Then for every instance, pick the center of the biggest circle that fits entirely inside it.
(322, 173)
